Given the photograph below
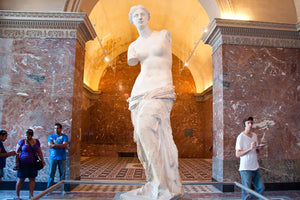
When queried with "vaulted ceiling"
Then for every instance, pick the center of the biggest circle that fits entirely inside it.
(186, 20)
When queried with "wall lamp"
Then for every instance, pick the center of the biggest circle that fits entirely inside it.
(106, 58)
(196, 45)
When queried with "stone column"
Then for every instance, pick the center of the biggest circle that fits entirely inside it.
(256, 69)
(42, 63)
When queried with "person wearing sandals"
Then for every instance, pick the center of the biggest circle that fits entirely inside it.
(3, 153)
(25, 162)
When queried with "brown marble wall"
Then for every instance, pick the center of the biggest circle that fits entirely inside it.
(108, 128)
(262, 82)
(37, 89)
(77, 99)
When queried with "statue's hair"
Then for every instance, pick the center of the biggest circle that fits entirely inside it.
(134, 8)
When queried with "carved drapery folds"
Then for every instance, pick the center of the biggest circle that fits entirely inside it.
(14, 24)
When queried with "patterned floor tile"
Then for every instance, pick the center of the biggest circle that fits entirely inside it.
(129, 168)
(122, 188)
(125, 174)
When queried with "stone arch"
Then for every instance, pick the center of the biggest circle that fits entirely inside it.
(113, 127)
(200, 63)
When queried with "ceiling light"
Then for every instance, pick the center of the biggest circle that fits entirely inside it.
(234, 16)
(106, 58)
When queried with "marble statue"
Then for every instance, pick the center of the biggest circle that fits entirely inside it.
(151, 101)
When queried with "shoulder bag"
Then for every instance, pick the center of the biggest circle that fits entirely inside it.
(38, 164)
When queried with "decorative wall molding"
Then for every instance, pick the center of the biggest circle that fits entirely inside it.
(91, 94)
(72, 5)
(225, 6)
(205, 95)
(14, 24)
(254, 33)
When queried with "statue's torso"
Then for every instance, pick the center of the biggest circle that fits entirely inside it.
(155, 56)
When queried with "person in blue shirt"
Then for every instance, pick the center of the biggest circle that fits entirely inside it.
(58, 143)
(3, 153)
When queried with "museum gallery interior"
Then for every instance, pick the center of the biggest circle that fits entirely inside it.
(66, 61)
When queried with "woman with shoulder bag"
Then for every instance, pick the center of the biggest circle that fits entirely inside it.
(27, 149)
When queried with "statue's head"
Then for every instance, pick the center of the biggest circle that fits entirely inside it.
(134, 8)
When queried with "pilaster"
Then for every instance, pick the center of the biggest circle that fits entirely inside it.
(255, 73)
(42, 64)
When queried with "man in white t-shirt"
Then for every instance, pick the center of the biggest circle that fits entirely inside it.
(246, 149)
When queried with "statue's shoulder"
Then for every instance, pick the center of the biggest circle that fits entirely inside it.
(166, 34)
(131, 54)
(132, 45)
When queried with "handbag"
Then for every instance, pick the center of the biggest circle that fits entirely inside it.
(38, 164)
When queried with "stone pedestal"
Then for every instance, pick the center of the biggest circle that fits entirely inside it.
(117, 196)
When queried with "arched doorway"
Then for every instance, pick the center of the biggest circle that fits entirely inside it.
(108, 132)
(110, 122)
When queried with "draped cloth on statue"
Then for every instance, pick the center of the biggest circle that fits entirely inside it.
(150, 113)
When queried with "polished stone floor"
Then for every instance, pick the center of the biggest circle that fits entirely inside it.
(108, 192)
(114, 175)
(129, 168)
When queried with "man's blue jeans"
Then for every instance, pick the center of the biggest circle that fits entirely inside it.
(61, 164)
(251, 177)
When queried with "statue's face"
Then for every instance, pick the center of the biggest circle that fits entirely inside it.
(140, 18)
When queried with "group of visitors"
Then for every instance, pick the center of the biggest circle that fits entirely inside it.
(246, 149)
(151, 101)
(27, 150)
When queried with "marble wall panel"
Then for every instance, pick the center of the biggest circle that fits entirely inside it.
(218, 104)
(110, 122)
(74, 153)
(37, 89)
(261, 82)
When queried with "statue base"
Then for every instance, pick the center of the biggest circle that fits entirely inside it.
(117, 196)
